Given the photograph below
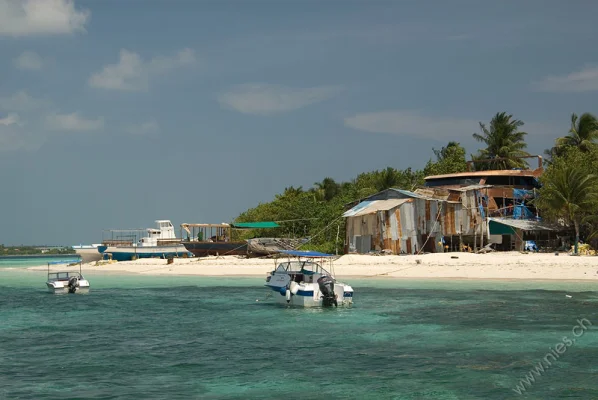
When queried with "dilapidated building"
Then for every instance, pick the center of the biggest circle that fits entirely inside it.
(452, 212)
(405, 222)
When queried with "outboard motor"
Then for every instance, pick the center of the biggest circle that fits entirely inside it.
(326, 284)
(73, 284)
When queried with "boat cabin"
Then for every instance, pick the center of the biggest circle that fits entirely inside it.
(301, 271)
(63, 276)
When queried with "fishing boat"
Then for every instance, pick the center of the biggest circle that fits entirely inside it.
(66, 281)
(88, 253)
(212, 240)
(160, 242)
(302, 281)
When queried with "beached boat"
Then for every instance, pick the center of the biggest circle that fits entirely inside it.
(160, 242)
(260, 247)
(304, 282)
(212, 240)
(66, 281)
(88, 253)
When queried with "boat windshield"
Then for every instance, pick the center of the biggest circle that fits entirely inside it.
(59, 276)
(306, 267)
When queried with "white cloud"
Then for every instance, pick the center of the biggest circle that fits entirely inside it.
(264, 99)
(412, 123)
(584, 80)
(133, 73)
(12, 136)
(41, 17)
(73, 122)
(29, 60)
(146, 128)
(21, 101)
(10, 119)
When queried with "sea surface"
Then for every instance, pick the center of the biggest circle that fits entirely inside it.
(144, 337)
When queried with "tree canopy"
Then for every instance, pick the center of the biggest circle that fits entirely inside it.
(505, 144)
(568, 191)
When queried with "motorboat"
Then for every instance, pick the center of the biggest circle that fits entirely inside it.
(303, 281)
(66, 281)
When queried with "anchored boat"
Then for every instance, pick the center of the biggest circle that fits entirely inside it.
(304, 282)
(66, 281)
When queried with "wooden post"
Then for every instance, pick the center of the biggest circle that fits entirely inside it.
(475, 237)
(338, 230)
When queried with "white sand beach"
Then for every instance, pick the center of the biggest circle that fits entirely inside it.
(496, 265)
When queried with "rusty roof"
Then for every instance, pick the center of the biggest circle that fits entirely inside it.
(476, 174)
(470, 187)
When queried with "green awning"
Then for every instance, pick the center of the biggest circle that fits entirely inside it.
(496, 228)
(255, 225)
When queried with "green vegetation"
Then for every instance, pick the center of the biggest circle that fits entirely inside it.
(569, 193)
(30, 250)
(505, 143)
(570, 190)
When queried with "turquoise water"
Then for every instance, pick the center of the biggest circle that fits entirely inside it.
(21, 262)
(141, 337)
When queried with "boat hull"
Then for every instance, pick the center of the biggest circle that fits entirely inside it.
(309, 295)
(88, 254)
(258, 247)
(60, 287)
(204, 249)
(131, 252)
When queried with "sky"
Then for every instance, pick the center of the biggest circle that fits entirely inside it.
(114, 114)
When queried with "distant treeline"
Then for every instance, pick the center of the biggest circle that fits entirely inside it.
(31, 250)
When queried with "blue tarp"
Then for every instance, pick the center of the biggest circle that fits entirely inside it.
(522, 212)
(74, 260)
(482, 200)
(522, 194)
(299, 253)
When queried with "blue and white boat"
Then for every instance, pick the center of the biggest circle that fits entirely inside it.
(304, 282)
(160, 242)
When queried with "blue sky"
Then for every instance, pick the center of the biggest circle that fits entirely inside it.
(117, 113)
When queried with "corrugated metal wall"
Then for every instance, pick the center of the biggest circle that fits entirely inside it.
(404, 229)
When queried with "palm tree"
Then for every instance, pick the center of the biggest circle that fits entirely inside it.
(387, 178)
(568, 193)
(326, 190)
(505, 144)
(583, 133)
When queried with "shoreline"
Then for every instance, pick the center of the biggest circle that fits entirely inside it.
(503, 266)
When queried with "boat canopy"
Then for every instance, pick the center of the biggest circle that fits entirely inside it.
(255, 225)
(300, 253)
(74, 261)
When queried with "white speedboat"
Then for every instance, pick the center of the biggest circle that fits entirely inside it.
(66, 281)
(304, 282)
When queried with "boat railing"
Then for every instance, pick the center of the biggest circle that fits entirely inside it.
(64, 275)
(66, 263)
(116, 243)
